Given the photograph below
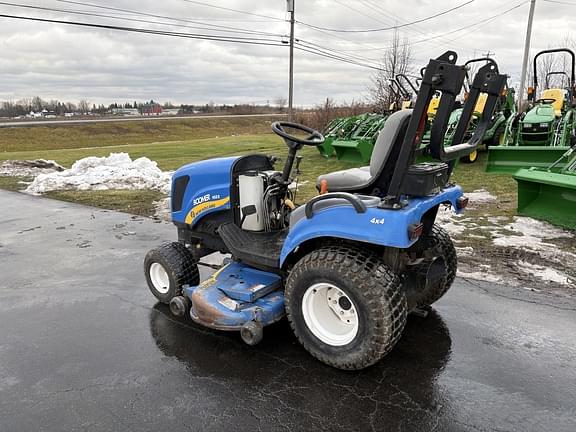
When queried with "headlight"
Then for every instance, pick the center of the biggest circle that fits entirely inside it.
(527, 125)
(544, 125)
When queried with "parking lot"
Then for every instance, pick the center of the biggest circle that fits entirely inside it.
(84, 346)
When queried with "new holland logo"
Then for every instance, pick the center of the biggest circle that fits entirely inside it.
(205, 206)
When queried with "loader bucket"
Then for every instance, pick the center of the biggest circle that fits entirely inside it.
(549, 196)
(509, 159)
(354, 151)
(326, 148)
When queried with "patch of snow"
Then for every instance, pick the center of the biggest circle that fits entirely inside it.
(162, 209)
(480, 196)
(497, 220)
(531, 235)
(481, 276)
(546, 274)
(117, 171)
(476, 236)
(28, 168)
(537, 229)
(448, 220)
(465, 251)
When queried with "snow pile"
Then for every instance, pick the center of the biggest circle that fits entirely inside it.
(28, 168)
(117, 171)
(531, 234)
(546, 274)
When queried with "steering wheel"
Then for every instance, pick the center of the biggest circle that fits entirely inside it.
(315, 138)
(546, 101)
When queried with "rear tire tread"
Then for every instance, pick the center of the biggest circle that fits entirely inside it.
(385, 300)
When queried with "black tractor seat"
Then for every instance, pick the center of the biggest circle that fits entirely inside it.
(382, 162)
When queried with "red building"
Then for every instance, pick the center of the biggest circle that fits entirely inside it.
(151, 108)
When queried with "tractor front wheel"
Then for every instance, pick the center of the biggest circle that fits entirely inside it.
(167, 268)
(346, 307)
(471, 158)
(499, 135)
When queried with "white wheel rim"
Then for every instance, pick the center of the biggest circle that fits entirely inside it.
(330, 314)
(159, 278)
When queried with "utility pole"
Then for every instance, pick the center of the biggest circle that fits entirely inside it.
(488, 54)
(290, 5)
(526, 53)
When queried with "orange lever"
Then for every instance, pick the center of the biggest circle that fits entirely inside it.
(323, 187)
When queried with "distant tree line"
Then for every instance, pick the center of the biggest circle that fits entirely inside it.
(36, 104)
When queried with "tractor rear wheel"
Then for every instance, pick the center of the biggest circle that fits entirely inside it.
(167, 268)
(346, 307)
(423, 291)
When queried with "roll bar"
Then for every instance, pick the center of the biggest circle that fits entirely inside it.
(556, 73)
(410, 83)
(551, 51)
(405, 92)
(400, 90)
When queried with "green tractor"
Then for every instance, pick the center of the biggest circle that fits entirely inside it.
(356, 140)
(357, 145)
(541, 135)
(337, 128)
(550, 194)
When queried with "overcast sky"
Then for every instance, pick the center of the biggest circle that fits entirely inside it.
(103, 66)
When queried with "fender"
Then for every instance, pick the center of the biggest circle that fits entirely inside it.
(376, 226)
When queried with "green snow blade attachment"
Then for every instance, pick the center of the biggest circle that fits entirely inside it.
(549, 194)
(509, 159)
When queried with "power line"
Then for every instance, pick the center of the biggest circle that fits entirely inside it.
(233, 10)
(155, 15)
(239, 40)
(472, 28)
(250, 41)
(391, 27)
(94, 14)
(484, 21)
(416, 28)
(335, 57)
(341, 53)
(560, 2)
(420, 41)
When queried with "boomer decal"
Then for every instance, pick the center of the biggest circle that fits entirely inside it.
(204, 204)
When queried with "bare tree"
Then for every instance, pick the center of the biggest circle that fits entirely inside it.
(281, 103)
(38, 104)
(397, 59)
(84, 106)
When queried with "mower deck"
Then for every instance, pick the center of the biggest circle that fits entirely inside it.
(235, 295)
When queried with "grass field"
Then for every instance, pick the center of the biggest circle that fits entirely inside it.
(173, 144)
(53, 137)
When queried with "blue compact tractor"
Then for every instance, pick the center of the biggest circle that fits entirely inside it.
(346, 267)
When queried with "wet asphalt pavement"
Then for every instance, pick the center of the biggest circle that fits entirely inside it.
(84, 347)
